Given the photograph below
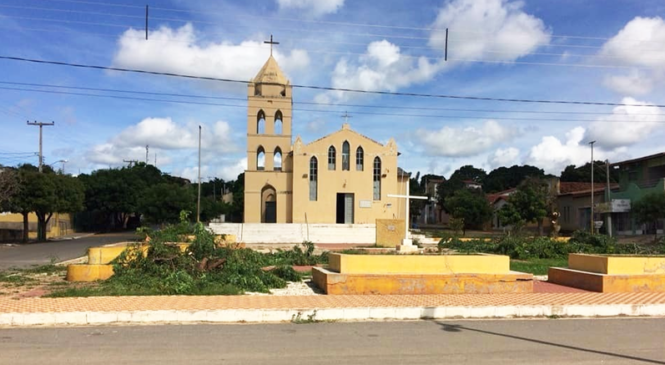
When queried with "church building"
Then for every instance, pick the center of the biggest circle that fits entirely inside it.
(344, 177)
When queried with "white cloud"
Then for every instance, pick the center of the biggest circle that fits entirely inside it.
(381, 67)
(634, 82)
(227, 170)
(164, 137)
(164, 133)
(481, 24)
(503, 157)
(638, 44)
(477, 26)
(178, 51)
(627, 125)
(552, 155)
(464, 141)
(315, 7)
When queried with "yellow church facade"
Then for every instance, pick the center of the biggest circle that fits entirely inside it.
(344, 177)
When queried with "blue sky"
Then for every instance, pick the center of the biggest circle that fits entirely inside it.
(608, 51)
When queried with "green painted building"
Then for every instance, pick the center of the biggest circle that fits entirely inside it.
(637, 177)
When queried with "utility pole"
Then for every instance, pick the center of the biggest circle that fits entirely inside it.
(147, 147)
(593, 226)
(130, 162)
(155, 159)
(41, 156)
(609, 198)
(198, 199)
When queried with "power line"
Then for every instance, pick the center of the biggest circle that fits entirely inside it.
(335, 111)
(325, 88)
(71, 11)
(98, 3)
(375, 106)
(336, 23)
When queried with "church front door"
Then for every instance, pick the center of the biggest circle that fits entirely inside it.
(344, 208)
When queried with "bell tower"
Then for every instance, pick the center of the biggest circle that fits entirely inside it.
(269, 162)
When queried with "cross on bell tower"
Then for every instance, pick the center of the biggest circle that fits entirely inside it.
(270, 42)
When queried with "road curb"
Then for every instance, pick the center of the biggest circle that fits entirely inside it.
(326, 314)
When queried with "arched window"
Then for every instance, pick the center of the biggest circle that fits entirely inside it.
(376, 178)
(260, 122)
(360, 158)
(260, 159)
(313, 177)
(277, 160)
(346, 152)
(331, 158)
(278, 122)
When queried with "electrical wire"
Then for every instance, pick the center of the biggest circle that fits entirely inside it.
(324, 88)
(330, 111)
(375, 106)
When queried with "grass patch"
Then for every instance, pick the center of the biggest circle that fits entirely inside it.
(16, 279)
(537, 266)
(46, 269)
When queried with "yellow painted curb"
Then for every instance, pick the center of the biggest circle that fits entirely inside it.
(89, 272)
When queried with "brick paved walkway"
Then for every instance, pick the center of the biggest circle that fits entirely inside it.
(196, 303)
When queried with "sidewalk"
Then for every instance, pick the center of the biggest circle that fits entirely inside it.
(260, 309)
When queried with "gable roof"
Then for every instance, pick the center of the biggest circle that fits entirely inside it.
(270, 73)
(344, 128)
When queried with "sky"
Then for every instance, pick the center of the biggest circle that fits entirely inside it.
(610, 51)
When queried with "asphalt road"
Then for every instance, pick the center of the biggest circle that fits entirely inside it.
(561, 341)
(31, 254)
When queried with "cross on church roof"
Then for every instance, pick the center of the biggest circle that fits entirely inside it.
(346, 117)
(270, 42)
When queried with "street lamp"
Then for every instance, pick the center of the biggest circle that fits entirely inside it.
(63, 164)
(593, 229)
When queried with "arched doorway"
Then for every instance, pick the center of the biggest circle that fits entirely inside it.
(268, 205)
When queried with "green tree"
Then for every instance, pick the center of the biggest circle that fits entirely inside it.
(456, 182)
(8, 185)
(531, 201)
(582, 173)
(45, 194)
(509, 216)
(504, 178)
(211, 208)
(116, 193)
(162, 203)
(649, 209)
(237, 210)
(471, 206)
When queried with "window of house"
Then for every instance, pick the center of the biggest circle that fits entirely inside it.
(360, 156)
(313, 178)
(376, 178)
(346, 152)
(331, 158)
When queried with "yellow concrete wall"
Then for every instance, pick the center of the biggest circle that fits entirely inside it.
(419, 264)
(389, 232)
(413, 284)
(617, 265)
(603, 283)
(331, 182)
(54, 228)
